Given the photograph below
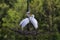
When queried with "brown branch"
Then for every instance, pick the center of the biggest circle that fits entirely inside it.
(25, 32)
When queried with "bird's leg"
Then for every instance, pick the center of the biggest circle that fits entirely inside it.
(22, 28)
(36, 30)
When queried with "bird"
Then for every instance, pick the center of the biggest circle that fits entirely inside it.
(34, 21)
(31, 19)
(24, 22)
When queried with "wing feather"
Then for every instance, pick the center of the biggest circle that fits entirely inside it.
(24, 22)
(34, 22)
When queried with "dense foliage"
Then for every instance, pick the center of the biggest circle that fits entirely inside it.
(47, 12)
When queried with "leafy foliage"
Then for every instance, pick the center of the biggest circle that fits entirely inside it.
(47, 13)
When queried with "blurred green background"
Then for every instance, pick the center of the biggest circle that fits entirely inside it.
(47, 12)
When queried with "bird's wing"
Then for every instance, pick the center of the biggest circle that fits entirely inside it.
(34, 22)
(24, 22)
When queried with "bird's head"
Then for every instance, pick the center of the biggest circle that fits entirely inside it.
(32, 15)
(28, 14)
